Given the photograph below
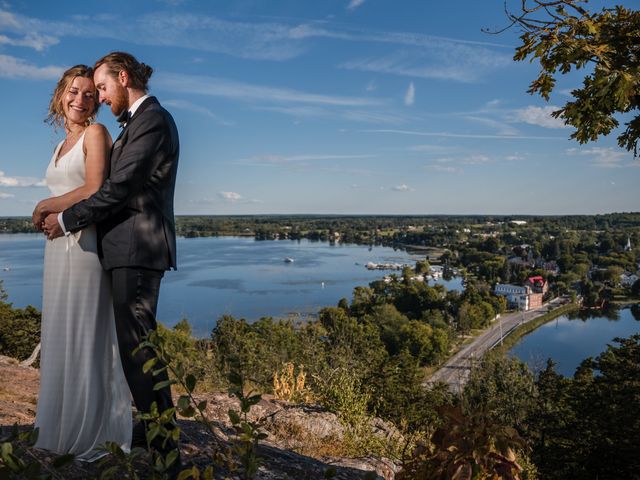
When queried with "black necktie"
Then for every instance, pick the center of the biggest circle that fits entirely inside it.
(124, 117)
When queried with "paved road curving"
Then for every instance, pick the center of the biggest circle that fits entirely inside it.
(455, 372)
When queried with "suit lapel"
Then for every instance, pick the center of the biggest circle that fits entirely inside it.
(115, 155)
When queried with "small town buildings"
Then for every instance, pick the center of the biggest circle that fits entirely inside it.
(628, 279)
(537, 284)
(524, 297)
(516, 295)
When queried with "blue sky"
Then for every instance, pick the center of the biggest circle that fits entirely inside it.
(305, 106)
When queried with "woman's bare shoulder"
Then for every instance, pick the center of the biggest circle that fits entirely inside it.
(98, 133)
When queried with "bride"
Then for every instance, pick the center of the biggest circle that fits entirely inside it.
(84, 399)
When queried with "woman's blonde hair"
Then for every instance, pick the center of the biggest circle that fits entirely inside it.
(56, 115)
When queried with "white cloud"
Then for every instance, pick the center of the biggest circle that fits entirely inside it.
(462, 135)
(292, 159)
(443, 169)
(249, 93)
(192, 107)
(31, 40)
(514, 158)
(403, 188)
(475, 159)
(230, 196)
(371, 86)
(443, 59)
(353, 4)
(410, 96)
(273, 40)
(4, 195)
(6, 181)
(603, 157)
(12, 67)
(540, 116)
(493, 103)
(428, 148)
(500, 127)
(265, 41)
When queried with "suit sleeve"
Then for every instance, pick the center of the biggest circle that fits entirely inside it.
(128, 177)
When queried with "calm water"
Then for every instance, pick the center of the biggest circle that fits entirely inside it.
(568, 340)
(238, 276)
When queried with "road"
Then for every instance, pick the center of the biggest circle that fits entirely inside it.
(455, 371)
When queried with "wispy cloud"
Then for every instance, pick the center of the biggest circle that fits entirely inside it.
(443, 59)
(540, 116)
(264, 41)
(31, 40)
(460, 135)
(4, 196)
(6, 181)
(192, 107)
(274, 40)
(14, 68)
(605, 157)
(472, 159)
(428, 148)
(403, 188)
(501, 128)
(220, 87)
(353, 4)
(444, 169)
(232, 197)
(410, 96)
(271, 160)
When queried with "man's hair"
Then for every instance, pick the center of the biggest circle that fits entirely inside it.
(116, 62)
(56, 116)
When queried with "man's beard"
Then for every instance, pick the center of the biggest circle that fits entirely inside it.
(120, 102)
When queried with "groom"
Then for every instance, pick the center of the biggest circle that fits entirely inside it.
(133, 211)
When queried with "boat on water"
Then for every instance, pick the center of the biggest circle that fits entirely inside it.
(288, 260)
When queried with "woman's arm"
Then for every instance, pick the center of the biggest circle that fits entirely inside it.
(97, 146)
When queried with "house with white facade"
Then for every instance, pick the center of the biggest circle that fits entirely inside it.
(516, 295)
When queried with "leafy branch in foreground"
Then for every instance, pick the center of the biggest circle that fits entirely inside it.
(465, 447)
(562, 35)
(17, 460)
(248, 433)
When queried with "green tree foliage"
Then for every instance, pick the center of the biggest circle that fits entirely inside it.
(19, 329)
(504, 387)
(562, 35)
(589, 426)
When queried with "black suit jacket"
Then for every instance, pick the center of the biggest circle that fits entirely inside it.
(133, 210)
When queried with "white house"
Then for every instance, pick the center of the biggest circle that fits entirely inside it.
(627, 279)
(516, 295)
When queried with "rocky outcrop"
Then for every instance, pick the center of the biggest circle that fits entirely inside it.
(304, 441)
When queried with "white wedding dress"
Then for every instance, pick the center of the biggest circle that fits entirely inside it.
(84, 399)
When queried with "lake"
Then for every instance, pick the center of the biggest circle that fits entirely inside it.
(229, 275)
(570, 339)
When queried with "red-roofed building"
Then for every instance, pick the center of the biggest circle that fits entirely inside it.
(537, 284)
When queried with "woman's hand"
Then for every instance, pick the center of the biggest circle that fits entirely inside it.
(43, 208)
(51, 227)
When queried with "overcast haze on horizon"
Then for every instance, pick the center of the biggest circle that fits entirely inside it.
(306, 107)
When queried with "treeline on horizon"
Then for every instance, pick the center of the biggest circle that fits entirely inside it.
(311, 225)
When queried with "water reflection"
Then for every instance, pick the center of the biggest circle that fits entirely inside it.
(569, 339)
